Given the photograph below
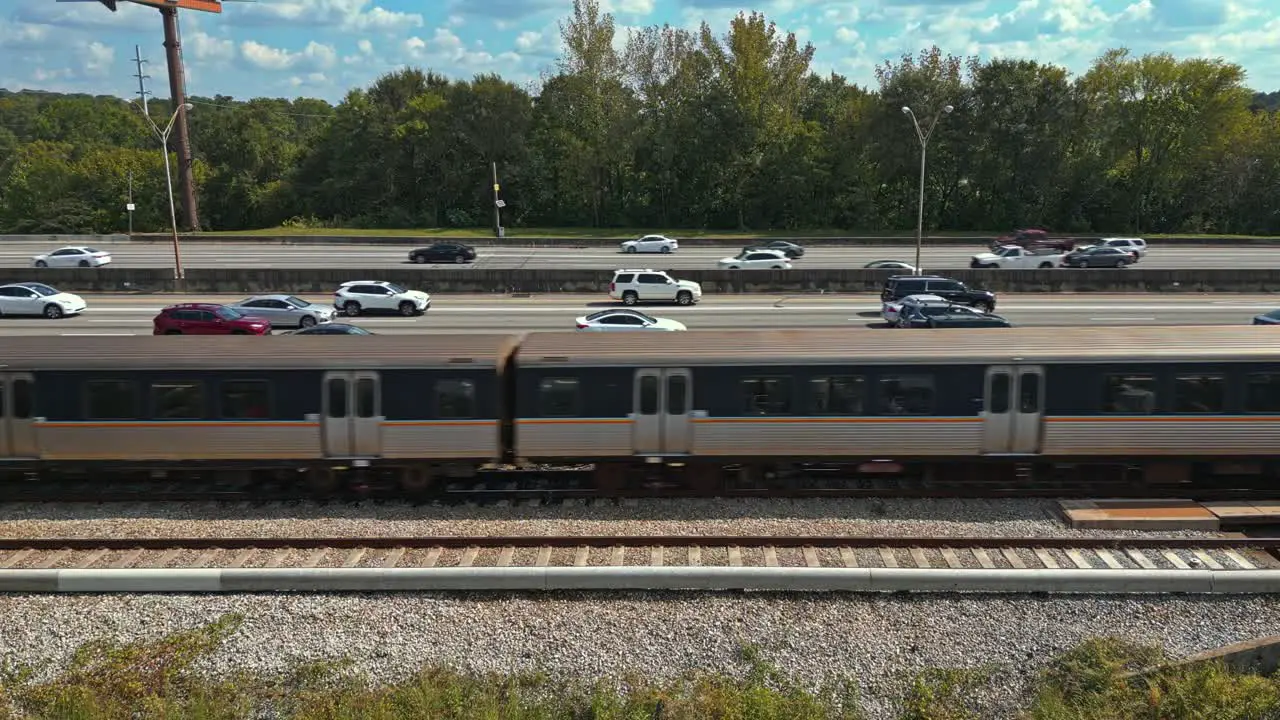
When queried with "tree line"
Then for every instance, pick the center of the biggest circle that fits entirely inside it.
(683, 129)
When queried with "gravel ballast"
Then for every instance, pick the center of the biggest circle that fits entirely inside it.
(824, 516)
(877, 640)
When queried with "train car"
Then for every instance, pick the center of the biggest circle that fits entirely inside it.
(1170, 400)
(410, 402)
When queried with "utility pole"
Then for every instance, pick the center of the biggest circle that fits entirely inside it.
(178, 91)
(130, 206)
(497, 205)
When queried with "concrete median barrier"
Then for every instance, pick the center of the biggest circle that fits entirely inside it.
(613, 579)
(218, 280)
(604, 239)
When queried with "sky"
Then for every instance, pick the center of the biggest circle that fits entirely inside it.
(322, 48)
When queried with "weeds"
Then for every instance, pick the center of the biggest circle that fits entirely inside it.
(161, 680)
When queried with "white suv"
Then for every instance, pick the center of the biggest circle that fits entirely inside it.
(651, 243)
(1137, 246)
(360, 296)
(636, 286)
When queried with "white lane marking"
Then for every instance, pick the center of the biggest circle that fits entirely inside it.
(95, 334)
(1119, 319)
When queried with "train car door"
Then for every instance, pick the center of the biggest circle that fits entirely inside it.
(352, 418)
(660, 421)
(17, 410)
(1013, 412)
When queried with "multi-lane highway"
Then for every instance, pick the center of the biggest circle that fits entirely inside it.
(131, 315)
(368, 257)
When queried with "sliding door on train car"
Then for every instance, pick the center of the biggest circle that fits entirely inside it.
(661, 408)
(1013, 410)
(17, 410)
(352, 418)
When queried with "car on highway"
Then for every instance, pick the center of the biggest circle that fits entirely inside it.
(914, 311)
(756, 260)
(207, 319)
(650, 243)
(362, 296)
(1267, 318)
(891, 265)
(1134, 246)
(75, 256)
(625, 320)
(38, 299)
(637, 286)
(330, 329)
(1014, 257)
(978, 320)
(456, 253)
(898, 287)
(791, 250)
(1098, 256)
(285, 310)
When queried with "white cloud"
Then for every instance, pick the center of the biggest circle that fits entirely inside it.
(846, 35)
(98, 58)
(314, 55)
(627, 7)
(528, 40)
(205, 47)
(23, 35)
(346, 15)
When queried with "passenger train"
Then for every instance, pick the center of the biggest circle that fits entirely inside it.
(1173, 403)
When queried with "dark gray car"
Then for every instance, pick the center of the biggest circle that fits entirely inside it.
(1098, 256)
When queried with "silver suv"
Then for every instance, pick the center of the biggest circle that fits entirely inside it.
(637, 286)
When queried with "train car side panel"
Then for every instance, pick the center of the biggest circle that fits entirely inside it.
(445, 413)
(573, 412)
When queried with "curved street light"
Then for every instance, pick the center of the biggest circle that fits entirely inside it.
(924, 135)
(163, 136)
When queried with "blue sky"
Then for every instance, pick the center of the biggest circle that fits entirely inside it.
(320, 48)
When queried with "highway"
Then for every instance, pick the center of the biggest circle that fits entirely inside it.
(131, 315)
(369, 257)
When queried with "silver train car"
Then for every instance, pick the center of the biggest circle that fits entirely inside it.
(1172, 402)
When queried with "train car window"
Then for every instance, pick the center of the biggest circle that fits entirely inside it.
(766, 395)
(337, 390)
(1129, 395)
(245, 400)
(559, 397)
(1262, 393)
(177, 400)
(843, 395)
(3, 411)
(366, 397)
(677, 394)
(999, 400)
(648, 395)
(111, 400)
(1199, 394)
(23, 400)
(1029, 393)
(906, 395)
(455, 399)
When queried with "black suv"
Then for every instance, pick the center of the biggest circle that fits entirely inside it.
(900, 286)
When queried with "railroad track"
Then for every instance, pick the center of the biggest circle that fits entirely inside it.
(1218, 554)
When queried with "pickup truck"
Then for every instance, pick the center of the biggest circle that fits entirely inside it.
(1012, 257)
(1034, 239)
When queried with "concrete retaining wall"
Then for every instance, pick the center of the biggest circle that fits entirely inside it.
(861, 580)
(604, 239)
(214, 280)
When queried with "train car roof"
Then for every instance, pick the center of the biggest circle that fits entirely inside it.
(832, 346)
(336, 352)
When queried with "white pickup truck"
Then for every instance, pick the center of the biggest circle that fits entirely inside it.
(1013, 257)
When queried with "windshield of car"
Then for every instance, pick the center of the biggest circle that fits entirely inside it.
(297, 302)
(935, 309)
(90, 250)
(353, 330)
(42, 290)
(396, 289)
(227, 313)
(1274, 315)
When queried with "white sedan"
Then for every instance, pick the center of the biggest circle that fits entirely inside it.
(756, 260)
(623, 319)
(38, 299)
(651, 243)
(78, 256)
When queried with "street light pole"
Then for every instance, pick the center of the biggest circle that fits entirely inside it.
(163, 135)
(924, 151)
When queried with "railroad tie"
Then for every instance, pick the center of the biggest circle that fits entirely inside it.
(1109, 559)
(243, 557)
(848, 557)
(695, 556)
(544, 557)
(984, 558)
(203, 561)
(433, 557)
(127, 560)
(93, 558)
(619, 556)
(655, 556)
(953, 560)
(1014, 558)
(1141, 558)
(168, 557)
(504, 557)
(1174, 560)
(1079, 559)
(888, 558)
(278, 558)
(735, 556)
(53, 561)
(469, 556)
(771, 556)
(1047, 559)
(16, 558)
(1239, 559)
(393, 558)
(581, 557)
(1207, 559)
(313, 560)
(811, 557)
(354, 557)
(920, 559)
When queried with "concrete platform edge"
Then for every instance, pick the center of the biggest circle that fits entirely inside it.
(860, 580)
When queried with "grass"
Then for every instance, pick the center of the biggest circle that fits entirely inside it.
(160, 679)
(628, 233)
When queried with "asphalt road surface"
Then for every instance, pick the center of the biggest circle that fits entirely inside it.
(131, 315)
(368, 257)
